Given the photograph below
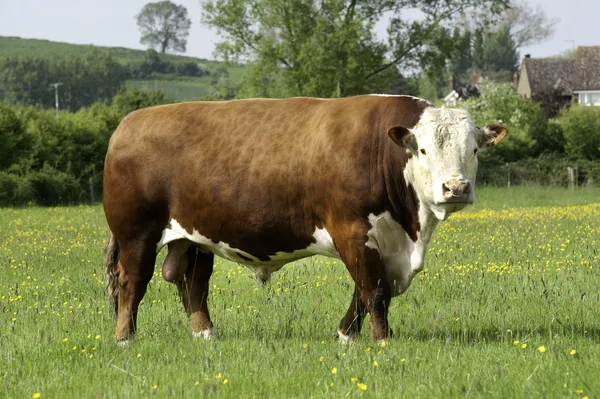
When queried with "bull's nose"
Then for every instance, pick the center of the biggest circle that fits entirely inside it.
(456, 188)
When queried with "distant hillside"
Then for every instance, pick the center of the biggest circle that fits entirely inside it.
(177, 88)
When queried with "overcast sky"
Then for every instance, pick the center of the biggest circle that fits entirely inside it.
(112, 23)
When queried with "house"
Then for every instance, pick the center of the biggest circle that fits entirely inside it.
(586, 79)
(560, 80)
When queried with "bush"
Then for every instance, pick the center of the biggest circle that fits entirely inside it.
(130, 99)
(14, 141)
(581, 127)
(53, 187)
(15, 190)
(189, 68)
(525, 120)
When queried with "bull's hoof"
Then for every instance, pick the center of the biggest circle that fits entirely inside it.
(207, 334)
(345, 339)
(124, 343)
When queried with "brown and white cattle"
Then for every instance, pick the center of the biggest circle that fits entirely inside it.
(266, 182)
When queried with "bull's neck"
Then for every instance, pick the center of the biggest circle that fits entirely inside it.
(409, 209)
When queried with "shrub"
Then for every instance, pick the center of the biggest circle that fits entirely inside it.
(15, 190)
(53, 187)
(581, 127)
(525, 120)
(13, 140)
(189, 68)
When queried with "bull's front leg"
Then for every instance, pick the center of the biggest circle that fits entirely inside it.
(372, 292)
(351, 324)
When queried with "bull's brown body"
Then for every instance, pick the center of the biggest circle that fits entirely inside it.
(260, 175)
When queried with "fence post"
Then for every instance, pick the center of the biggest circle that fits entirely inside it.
(92, 197)
(571, 172)
(508, 167)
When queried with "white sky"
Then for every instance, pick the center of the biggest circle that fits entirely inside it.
(112, 23)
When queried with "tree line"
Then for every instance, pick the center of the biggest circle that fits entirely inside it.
(93, 77)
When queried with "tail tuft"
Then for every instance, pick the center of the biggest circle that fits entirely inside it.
(111, 257)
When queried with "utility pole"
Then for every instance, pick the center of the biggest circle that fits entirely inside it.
(55, 85)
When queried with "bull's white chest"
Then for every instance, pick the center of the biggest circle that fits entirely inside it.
(401, 257)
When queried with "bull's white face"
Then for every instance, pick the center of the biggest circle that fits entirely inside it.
(443, 149)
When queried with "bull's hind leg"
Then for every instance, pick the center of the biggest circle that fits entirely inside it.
(135, 268)
(193, 290)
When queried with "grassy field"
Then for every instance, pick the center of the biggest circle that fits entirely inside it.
(508, 306)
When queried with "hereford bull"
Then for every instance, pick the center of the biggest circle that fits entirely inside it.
(266, 182)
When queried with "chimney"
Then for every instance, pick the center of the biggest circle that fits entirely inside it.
(515, 82)
(527, 55)
(451, 85)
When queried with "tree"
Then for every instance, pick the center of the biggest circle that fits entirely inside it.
(164, 25)
(500, 52)
(461, 58)
(12, 136)
(478, 61)
(527, 24)
(327, 48)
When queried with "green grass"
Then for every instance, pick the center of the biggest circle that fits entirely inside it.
(178, 88)
(509, 269)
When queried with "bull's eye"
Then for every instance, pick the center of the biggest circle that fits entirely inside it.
(423, 151)
(475, 151)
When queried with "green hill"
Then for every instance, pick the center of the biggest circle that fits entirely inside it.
(177, 88)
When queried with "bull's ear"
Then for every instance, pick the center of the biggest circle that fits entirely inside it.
(403, 137)
(491, 135)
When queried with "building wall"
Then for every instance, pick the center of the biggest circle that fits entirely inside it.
(523, 88)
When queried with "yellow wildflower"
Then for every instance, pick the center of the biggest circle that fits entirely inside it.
(573, 352)
(218, 376)
(353, 379)
(334, 370)
(375, 363)
(524, 346)
(541, 349)
(225, 381)
(36, 395)
(362, 387)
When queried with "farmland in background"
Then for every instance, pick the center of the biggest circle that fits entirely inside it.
(508, 306)
(176, 88)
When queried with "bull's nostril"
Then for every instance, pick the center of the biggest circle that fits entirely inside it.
(445, 188)
(467, 188)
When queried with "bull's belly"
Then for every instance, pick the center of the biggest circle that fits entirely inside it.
(323, 245)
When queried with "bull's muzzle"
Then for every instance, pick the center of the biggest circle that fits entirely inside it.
(457, 190)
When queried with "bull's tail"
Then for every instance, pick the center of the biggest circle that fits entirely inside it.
(111, 257)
